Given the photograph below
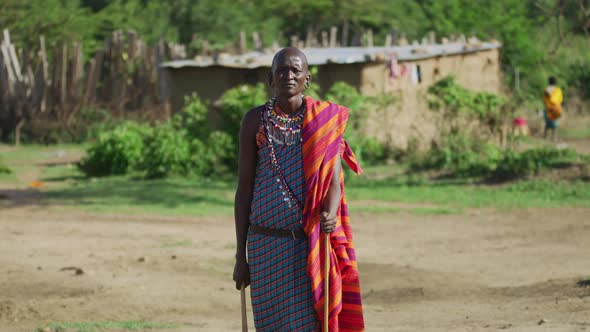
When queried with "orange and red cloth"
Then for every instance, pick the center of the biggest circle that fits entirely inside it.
(323, 126)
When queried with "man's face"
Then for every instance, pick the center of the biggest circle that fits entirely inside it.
(289, 75)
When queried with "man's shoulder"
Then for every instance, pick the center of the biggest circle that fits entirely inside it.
(255, 111)
(251, 119)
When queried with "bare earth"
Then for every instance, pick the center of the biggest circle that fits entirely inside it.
(479, 271)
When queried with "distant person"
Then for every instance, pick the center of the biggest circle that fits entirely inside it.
(289, 194)
(552, 97)
(520, 128)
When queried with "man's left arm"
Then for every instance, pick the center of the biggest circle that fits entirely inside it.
(332, 200)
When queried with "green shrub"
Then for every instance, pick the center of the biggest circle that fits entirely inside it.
(455, 101)
(193, 117)
(464, 157)
(461, 155)
(515, 164)
(200, 161)
(4, 169)
(234, 104)
(368, 151)
(91, 121)
(220, 152)
(372, 151)
(314, 89)
(346, 95)
(579, 77)
(167, 151)
(116, 151)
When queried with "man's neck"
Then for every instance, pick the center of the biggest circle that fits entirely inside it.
(289, 105)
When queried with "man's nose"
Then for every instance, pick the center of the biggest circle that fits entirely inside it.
(290, 74)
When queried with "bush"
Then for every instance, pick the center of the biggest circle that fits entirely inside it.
(515, 164)
(193, 117)
(456, 101)
(579, 77)
(461, 155)
(4, 169)
(346, 95)
(167, 151)
(464, 157)
(220, 152)
(368, 151)
(116, 151)
(234, 104)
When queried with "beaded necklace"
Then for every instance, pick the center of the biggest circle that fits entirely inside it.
(282, 128)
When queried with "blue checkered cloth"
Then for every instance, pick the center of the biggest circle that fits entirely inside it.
(280, 286)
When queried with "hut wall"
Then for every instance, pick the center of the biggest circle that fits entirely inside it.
(409, 118)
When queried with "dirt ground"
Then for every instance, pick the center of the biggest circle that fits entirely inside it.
(478, 271)
(482, 270)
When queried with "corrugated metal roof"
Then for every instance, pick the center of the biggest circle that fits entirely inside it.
(340, 55)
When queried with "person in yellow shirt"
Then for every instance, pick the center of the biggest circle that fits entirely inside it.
(553, 98)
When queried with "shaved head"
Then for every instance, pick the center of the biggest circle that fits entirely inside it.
(289, 76)
(286, 53)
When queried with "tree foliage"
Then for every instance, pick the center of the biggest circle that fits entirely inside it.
(518, 24)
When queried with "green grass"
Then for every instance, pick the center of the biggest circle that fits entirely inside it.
(455, 195)
(577, 133)
(37, 153)
(60, 172)
(174, 196)
(33, 159)
(8, 178)
(6, 174)
(175, 244)
(93, 326)
(202, 197)
(374, 209)
(436, 210)
(67, 189)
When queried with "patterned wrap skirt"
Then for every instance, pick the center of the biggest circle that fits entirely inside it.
(280, 287)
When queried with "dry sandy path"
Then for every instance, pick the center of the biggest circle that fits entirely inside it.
(479, 271)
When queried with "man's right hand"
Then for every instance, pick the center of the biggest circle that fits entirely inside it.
(241, 273)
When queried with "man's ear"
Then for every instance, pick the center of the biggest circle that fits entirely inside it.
(307, 80)
(269, 79)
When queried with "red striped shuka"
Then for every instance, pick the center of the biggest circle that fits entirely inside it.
(323, 126)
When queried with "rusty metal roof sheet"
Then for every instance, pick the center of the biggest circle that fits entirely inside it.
(339, 55)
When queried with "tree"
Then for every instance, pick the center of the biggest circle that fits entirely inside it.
(57, 20)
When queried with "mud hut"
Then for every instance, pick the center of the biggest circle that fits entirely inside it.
(402, 71)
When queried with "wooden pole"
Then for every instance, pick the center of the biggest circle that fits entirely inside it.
(325, 40)
(257, 41)
(244, 317)
(345, 28)
(326, 281)
(333, 35)
(242, 46)
(309, 37)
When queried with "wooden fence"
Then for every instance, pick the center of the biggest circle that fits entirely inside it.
(57, 83)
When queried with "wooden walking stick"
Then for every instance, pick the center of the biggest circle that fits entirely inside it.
(244, 317)
(326, 280)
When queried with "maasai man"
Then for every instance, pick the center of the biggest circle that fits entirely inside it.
(290, 191)
(552, 97)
